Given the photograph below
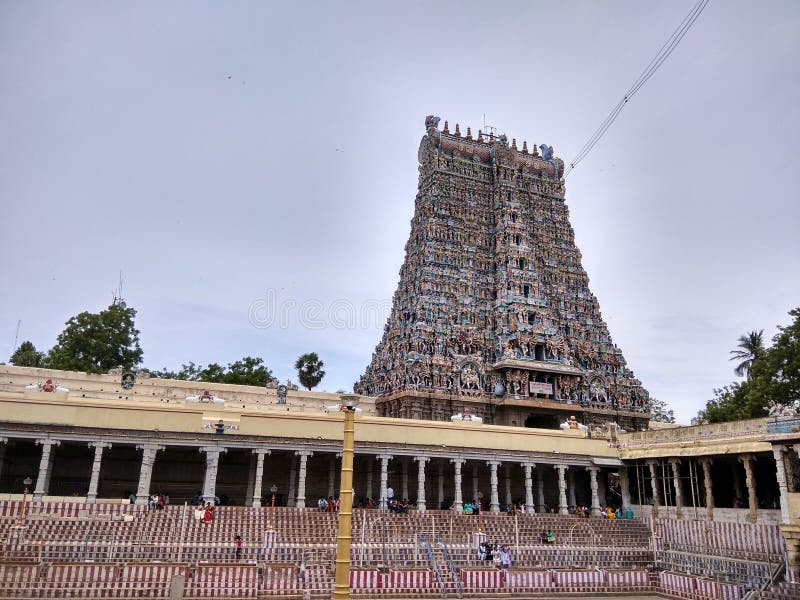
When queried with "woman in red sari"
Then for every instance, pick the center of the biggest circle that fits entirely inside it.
(208, 513)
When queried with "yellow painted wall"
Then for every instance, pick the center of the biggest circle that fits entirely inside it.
(55, 409)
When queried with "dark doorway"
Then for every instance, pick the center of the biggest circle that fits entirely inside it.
(542, 421)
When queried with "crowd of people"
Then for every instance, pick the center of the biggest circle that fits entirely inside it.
(329, 504)
(499, 555)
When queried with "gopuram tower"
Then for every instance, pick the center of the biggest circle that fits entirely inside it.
(493, 314)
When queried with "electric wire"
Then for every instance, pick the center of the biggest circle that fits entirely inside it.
(666, 49)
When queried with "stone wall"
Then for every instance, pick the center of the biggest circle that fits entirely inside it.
(170, 391)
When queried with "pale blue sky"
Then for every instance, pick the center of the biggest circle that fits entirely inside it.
(228, 155)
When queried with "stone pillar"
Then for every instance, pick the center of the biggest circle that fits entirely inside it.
(212, 468)
(332, 475)
(653, 465)
(792, 556)
(540, 489)
(146, 471)
(625, 486)
(752, 499)
(675, 463)
(458, 502)
(300, 502)
(527, 467)
(45, 468)
(369, 480)
(475, 490)
(780, 472)
(706, 464)
(94, 481)
(571, 489)
(421, 460)
(292, 492)
(494, 502)
(441, 485)
(404, 479)
(384, 458)
(562, 489)
(593, 485)
(259, 478)
(507, 473)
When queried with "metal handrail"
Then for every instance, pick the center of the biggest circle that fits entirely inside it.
(451, 567)
(434, 566)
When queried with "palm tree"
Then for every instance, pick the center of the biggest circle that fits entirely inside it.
(750, 347)
(309, 370)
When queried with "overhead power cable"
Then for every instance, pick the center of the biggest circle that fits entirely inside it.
(662, 55)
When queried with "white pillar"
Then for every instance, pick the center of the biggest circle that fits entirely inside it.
(675, 463)
(369, 480)
(780, 472)
(540, 490)
(562, 489)
(458, 502)
(91, 496)
(625, 486)
(527, 467)
(571, 488)
(292, 492)
(384, 458)
(404, 479)
(45, 468)
(212, 468)
(440, 485)
(300, 502)
(149, 452)
(421, 460)
(593, 485)
(258, 484)
(494, 502)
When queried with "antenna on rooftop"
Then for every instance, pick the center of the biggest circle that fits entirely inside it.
(118, 299)
(488, 129)
(16, 337)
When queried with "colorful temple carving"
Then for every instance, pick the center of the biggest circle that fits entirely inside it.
(493, 311)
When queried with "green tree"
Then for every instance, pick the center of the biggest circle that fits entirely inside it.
(190, 372)
(660, 412)
(97, 342)
(247, 371)
(730, 403)
(213, 373)
(775, 375)
(774, 378)
(750, 347)
(309, 370)
(27, 356)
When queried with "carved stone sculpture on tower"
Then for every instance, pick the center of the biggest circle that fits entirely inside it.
(492, 297)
